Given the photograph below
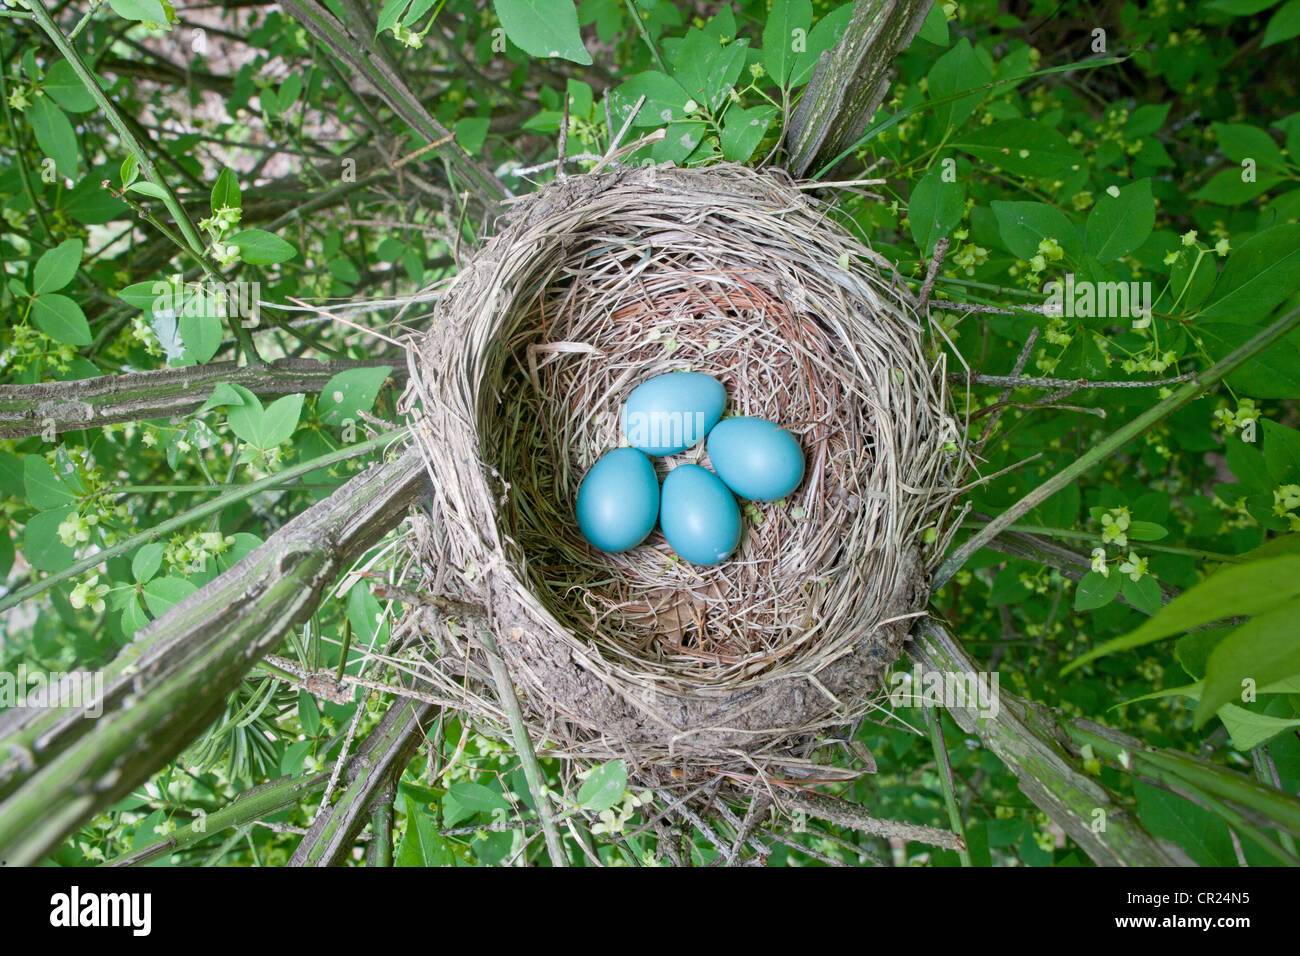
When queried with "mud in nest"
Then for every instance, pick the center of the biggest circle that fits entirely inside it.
(596, 284)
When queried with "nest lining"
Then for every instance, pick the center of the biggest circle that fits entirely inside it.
(596, 284)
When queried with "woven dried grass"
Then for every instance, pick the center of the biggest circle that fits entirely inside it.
(596, 283)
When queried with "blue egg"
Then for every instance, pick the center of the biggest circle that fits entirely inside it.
(756, 459)
(669, 413)
(699, 516)
(618, 500)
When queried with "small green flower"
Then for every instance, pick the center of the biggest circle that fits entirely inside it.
(1114, 524)
(89, 593)
(1134, 567)
(1189, 237)
(1099, 562)
(1286, 498)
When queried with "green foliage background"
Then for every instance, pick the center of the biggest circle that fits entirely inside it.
(1167, 156)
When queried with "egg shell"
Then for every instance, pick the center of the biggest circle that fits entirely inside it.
(699, 516)
(618, 500)
(755, 458)
(669, 413)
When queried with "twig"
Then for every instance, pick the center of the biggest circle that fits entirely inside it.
(1074, 385)
(524, 747)
(845, 814)
(936, 263)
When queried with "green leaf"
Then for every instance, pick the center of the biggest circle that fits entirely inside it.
(202, 334)
(1240, 8)
(1274, 373)
(1284, 25)
(350, 392)
(56, 267)
(743, 130)
(422, 844)
(1119, 224)
(146, 188)
(147, 561)
(465, 799)
(1193, 650)
(42, 546)
(955, 72)
(1199, 832)
(1239, 142)
(1261, 273)
(61, 319)
(279, 420)
(471, 131)
(1249, 729)
(42, 484)
(1096, 590)
(130, 169)
(245, 419)
(1023, 225)
(134, 616)
(289, 91)
(390, 15)
(54, 134)
(1238, 589)
(225, 191)
(1145, 120)
(1021, 146)
(934, 209)
(1281, 453)
(543, 28)
(1146, 531)
(308, 713)
(664, 99)
(151, 10)
(62, 83)
(260, 248)
(12, 484)
(779, 37)
(1143, 594)
(604, 786)
(828, 31)
(707, 71)
(162, 594)
(1228, 188)
(1263, 650)
(935, 27)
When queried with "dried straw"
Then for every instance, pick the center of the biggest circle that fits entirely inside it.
(595, 284)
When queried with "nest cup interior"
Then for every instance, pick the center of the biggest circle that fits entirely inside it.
(759, 294)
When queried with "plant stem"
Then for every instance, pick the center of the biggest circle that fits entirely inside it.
(249, 806)
(524, 747)
(935, 720)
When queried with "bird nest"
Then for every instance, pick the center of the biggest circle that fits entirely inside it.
(595, 284)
